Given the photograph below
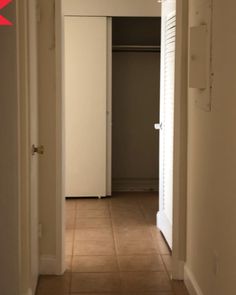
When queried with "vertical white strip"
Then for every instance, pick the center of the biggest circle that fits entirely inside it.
(109, 106)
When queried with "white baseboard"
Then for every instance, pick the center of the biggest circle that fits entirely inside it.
(134, 184)
(165, 227)
(48, 265)
(191, 282)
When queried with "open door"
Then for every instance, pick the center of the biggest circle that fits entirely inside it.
(85, 106)
(166, 126)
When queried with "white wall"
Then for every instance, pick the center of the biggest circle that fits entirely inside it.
(9, 147)
(112, 7)
(211, 214)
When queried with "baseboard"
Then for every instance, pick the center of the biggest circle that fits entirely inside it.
(134, 184)
(191, 282)
(165, 227)
(48, 265)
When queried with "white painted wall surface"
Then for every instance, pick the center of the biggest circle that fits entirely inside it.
(112, 7)
(211, 218)
(9, 159)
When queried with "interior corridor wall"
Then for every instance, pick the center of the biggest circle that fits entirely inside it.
(211, 218)
(9, 159)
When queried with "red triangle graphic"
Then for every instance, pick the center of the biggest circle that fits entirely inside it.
(4, 3)
(4, 21)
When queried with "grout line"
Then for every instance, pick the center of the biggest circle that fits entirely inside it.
(116, 255)
(115, 245)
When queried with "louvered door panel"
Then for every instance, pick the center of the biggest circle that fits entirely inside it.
(165, 214)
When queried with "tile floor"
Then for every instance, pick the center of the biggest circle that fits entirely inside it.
(113, 247)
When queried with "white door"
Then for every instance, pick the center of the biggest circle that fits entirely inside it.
(165, 214)
(85, 106)
(33, 99)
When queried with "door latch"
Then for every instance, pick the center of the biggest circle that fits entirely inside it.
(37, 149)
(158, 126)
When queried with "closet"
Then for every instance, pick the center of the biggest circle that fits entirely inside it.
(135, 103)
(122, 54)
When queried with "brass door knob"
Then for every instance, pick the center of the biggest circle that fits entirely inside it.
(37, 149)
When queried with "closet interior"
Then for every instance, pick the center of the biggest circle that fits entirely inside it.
(135, 103)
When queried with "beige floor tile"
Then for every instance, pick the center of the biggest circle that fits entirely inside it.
(179, 288)
(92, 204)
(53, 285)
(70, 204)
(161, 247)
(70, 219)
(99, 222)
(132, 233)
(124, 205)
(94, 248)
(68, 262)
(145, 281)
(127, 214)
(167, 259)
(69, 235)
(93, 213)
(97, 234)
(113, 293)
(95, 282)
(140, 263)
(147, 293)
(68, 248)
(94, 264)
(151, 220)
(132, 247)
(126, 220)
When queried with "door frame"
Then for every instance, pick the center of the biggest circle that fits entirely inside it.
(180, 141)
(26, 35)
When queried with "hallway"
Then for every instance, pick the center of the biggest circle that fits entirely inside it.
(113, 248)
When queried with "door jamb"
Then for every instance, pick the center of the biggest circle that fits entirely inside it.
(60, 138)
(180, 143)
(28, 283)
(180, 131)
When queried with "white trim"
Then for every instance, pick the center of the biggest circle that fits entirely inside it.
(180, 141)
(109, 108)
(191, 282)
(165, 226)
(59, 264)
(48, 265)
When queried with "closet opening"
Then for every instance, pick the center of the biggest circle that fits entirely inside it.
(135, 103)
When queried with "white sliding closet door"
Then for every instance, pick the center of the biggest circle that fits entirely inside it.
(85, 105)
(165, 214)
